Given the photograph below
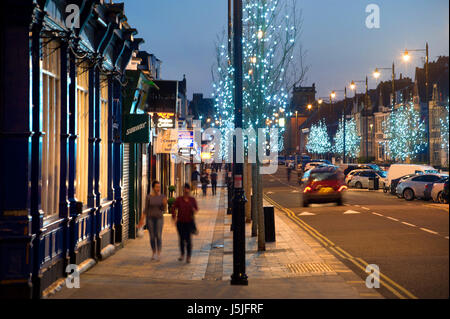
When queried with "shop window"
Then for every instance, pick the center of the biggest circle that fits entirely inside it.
(104, 129)
(51, 127)
(81, 184)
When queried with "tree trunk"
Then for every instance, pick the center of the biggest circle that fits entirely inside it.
(260, 211)
(254, 210)
(247, 185)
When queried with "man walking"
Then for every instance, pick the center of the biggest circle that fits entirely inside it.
(183, 212)
(214, 182)
(194, 180)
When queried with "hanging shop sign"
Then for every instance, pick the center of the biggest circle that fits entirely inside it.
(164, 120)
(163, 97)
(136, 128)
(167, 142)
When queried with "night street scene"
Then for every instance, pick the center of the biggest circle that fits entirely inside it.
(223, 156)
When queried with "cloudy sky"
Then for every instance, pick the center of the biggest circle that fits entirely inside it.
(339, 46)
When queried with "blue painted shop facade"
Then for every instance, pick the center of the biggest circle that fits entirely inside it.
(60, 138)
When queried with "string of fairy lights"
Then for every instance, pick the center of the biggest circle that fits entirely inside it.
(269, 41)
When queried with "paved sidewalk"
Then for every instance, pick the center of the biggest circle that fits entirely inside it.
(296, 266)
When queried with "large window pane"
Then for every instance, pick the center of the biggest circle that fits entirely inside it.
(51, 121)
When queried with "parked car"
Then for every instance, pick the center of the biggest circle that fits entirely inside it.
(360, 179)
(348, 167)
(324, 185)
(414, 187)
(349, 176)
(314, 164)
(289, 159)
(303, 178)
(398, 170)
(395, 182)
(438, 193)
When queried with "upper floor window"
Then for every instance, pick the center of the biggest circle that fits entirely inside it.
(51, 127)
(82, 157)
(104, 130)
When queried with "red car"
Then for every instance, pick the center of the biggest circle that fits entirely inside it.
(325, 185)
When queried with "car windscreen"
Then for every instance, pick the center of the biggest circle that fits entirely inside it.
(382, 173)
(323, 176)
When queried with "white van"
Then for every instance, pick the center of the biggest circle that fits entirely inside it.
(399, 170)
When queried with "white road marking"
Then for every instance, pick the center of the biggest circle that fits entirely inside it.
(376, 214)
(306, 214)
(357, 205)
(269, 193)
(365, 208)
(392, 218)
(429, 231)
(295, 192)
(408, 224)
(351, 212)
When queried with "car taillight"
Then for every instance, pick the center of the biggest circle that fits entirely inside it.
(307, 189)
(343, 187)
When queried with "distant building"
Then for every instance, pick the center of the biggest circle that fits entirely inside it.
(302, 96)
(202, 108)
(438, 97)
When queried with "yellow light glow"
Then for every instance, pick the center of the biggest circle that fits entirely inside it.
(353, 85)
(253, 59)
(333, 95)
(309, 106)
(320, 101)
(206, 156)
(260, 34)
(376, 74)
(250, 72)
(406, 56)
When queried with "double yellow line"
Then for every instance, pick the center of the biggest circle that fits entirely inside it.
(385, 281)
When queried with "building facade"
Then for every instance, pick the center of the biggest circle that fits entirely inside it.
(60, 121)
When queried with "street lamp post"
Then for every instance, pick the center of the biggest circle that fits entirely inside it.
(333, 95)
(376, 74)
(406, 58)
(239, 276)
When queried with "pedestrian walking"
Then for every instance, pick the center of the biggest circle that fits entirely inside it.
(194, 180)
(289, 170)
(183, 212)
(205, 181)
(153, 216)
(214, 182)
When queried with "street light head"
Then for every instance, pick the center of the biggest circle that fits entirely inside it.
(333, 94)
(320, 101)
(353, 85)
(376, 74)
(406, 56)
(309, 106)
(260, 34)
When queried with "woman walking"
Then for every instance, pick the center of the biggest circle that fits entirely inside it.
(183, 212)
(153, 215)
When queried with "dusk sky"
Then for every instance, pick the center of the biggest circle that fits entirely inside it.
(339, 47)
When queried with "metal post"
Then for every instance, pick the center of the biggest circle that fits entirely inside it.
(367, 118)
(238, 277)
(229, 166)
(428, 105)
(345, 106)
(393, 85)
